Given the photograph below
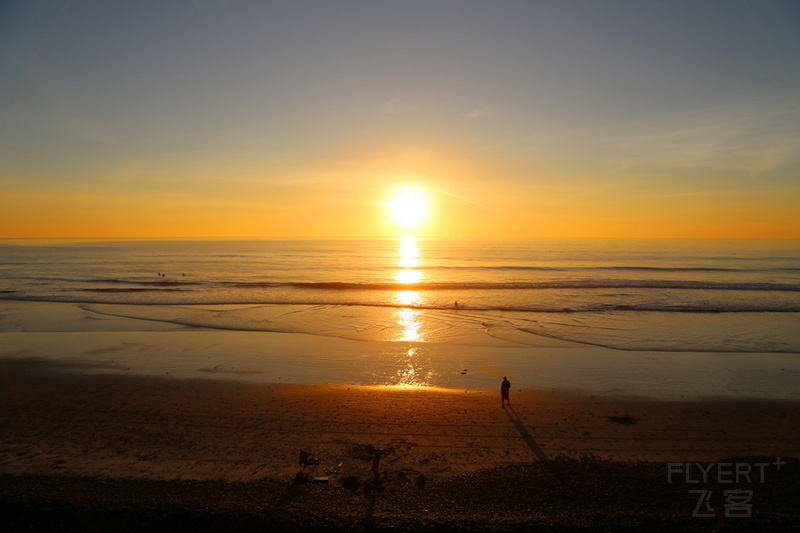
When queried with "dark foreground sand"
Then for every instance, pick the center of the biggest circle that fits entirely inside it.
(120, 453)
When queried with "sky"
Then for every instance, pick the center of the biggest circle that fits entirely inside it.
(299, 119)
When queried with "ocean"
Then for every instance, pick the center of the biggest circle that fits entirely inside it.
(658, 295)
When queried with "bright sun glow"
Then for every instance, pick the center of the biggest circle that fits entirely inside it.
(408, 208)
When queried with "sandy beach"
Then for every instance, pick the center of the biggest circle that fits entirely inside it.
(166, 428)
(158, 435)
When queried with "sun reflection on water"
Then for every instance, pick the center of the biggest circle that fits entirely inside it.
(407, 276)
(407, 317)
(408, 252)
(409, 324)
(407, 297)
(407, 261)
(410, 373)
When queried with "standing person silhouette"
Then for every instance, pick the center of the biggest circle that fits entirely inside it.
(505, 386)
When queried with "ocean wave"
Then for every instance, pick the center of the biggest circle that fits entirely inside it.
(90, 281)
(180, 297)
(163, 283)
(130, 289)
(632, 268)
(532, 285)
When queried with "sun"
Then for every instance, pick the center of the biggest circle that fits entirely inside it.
(409, 207)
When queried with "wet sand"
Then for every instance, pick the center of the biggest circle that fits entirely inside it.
(177, 436)
(101, 343)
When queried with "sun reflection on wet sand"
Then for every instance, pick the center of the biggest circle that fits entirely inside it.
(411, 373)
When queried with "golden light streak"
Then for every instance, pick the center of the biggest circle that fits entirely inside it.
(409, 324)
(408, 252)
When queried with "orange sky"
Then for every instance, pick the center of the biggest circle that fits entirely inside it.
(519, 120)
(457, 211)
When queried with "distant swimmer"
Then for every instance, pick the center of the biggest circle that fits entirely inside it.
(456, 304)
(505, 386)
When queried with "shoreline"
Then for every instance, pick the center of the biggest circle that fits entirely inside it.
(101, 344)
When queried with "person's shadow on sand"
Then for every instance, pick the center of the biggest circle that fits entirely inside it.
(552, 467)
(526, 436)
